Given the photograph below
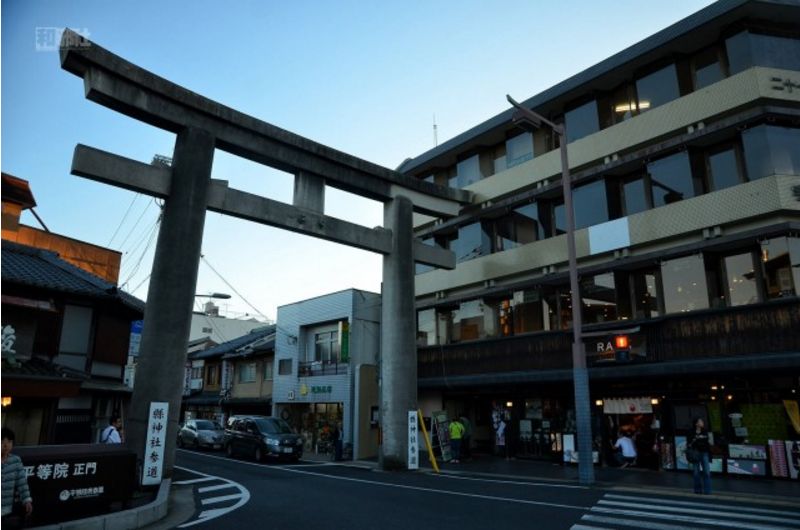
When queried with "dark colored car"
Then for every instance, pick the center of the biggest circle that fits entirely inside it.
(262, 436)
(201, 433)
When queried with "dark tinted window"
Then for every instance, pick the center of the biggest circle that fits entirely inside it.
(671, 179)
(582, 121)
(723, 169)
(747, 49)
(634, 195)
(707, 68)
(273, 426)
(771, 150)
(519, 149)
(205, 425)
(590, 205)
(657, 88)
(519, 227)
(472, 242)
(285, 367)
(467, 172)
(685, 287)
(599, 298)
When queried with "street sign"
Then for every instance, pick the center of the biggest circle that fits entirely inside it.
(413, 440)
(154, 443)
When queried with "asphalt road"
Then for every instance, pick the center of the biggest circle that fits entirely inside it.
(237, 493)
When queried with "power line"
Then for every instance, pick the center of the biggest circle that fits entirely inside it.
(232, 288)
(153, 232)
(123, 219)
(146, 207)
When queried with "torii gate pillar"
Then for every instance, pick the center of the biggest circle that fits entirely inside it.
(170, 297)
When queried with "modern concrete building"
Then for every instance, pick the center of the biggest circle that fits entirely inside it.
(684, 151)
(326, 368)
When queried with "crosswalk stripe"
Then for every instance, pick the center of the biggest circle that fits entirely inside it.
(196, 480)
(701, 504)
(223, 498)
(648, 525)
(585, 527)
(732, 515)
(217, 487)
(686, 518)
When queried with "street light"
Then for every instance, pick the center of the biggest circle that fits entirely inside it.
(530, 121)
(221, 296)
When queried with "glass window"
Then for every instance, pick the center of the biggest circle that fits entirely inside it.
(707, 68)
(467, 322)
(590, 205)
(285, 367)
(426, 327)
(771, 150)
(599, 298)
(247, 372)
(657, 88)
(519, 149)
(740, 279)
(472, 242)
(519, 227)
(780, 258)
(269, 370)
(685, 286)
(467, 172)
(671, 179)
(634, 195)
(582, 121)
(76, 327)
(623, 105)
(421, 268)
(529, 312)
(747, 49)
(326, 346)
(723, 169)
(645, 294)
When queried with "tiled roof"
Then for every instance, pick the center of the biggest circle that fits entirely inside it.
(239, 344)
(35, 267)
(37, 368)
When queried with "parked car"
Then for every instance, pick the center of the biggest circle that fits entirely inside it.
(261, 437)
(201, 433)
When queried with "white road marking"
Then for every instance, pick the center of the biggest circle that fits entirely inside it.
(716, 511)
(584, 527)
(616, 521)
(686, 519)
(516, 482)
(195, 480)
(243, 497)
(699, 504)
(215, 488)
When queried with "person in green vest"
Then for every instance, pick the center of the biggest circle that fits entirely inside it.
(456, 432)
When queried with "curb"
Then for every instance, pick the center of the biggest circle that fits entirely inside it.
(122, 520)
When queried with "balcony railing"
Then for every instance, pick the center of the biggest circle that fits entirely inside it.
(314, 368)
(747, 330)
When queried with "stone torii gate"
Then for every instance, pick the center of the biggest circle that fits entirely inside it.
(202, 125)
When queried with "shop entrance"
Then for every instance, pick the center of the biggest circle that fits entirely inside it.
(634, 418)
(316, 423)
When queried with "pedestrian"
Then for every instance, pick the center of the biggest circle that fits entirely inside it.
(456, 433)
(500, 439)
(15, 492)
(699, 442)
(338, 438)
(110, 434)
(466, 450)
(625, 450)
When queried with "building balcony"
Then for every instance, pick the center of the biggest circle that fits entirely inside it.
(316, 368)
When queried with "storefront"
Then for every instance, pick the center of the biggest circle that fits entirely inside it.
(315, 422)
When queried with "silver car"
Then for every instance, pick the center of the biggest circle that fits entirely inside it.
(201, 433)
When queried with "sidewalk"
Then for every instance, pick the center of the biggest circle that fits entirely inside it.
(635, 479)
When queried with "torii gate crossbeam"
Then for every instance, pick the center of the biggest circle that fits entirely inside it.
(201, 126)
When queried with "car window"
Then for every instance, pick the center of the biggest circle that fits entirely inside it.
(273, 426)
(250, 426)
(206, 425)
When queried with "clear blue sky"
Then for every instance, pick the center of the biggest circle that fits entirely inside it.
(363, 77)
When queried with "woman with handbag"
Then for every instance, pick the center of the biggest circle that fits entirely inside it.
(698, 453)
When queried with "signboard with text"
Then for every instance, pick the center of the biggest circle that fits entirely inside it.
(413, 440)
(154, 443)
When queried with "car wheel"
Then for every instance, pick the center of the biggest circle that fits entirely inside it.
(229, 450)
(258, 455)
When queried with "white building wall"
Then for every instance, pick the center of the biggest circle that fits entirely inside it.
(220, 329)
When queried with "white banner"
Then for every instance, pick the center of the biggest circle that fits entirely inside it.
(413, 440)
(154, 443)
(636, 405)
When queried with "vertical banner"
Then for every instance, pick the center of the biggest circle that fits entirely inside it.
(413, 440)
(154, 444)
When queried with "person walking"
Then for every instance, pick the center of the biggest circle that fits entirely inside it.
(500, 439)
(699, 442)
(456, 433)
(466, 451)
(14, 484)
(110, 434)
(338, 439)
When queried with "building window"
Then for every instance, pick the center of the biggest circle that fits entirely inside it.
(747, 49)
(582, 121)
(519, 149)
(599, 298)
(739, 280)
(520, 227)
(472, 242)
(657, 88)
(326, 346)
(771, 150)
(685, 286)
(468, 322)
(590, 205)
(634, 195)
(723, 168)
(780, 259)
(646, 300)
(285, 367)
(269, 369)
(247, 372)
(468, 171)
(707, 68)
(623, 106)
(529, 312)
(426, 327)
(197, 372)
(421, 268)
(671, 179)
(212, 374)
(76, 328)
